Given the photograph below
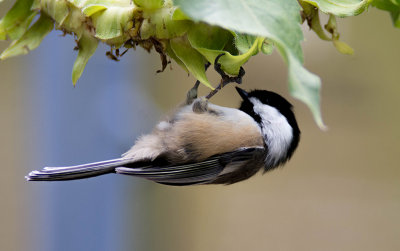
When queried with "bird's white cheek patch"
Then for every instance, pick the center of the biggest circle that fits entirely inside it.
(276, 129)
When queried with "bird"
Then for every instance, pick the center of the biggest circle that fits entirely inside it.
(203, 143)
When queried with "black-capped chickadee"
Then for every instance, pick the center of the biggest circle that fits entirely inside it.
(202, 143)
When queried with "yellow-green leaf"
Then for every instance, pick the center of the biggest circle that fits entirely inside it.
(192, 59)
(172, 55)
(17, 20)
(343, 48)
(149, 4)
(341, 8)
(91, 9)
(110, 21)
(58, 10)
(87, 45)
(31, 38)
(211, 40)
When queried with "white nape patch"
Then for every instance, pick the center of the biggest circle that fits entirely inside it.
(163, 125)
(275, 129)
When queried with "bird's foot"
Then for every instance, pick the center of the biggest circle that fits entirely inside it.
(225, 79)
(192, 93)
(200, 105)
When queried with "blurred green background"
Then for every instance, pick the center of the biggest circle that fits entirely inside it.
(340, 191)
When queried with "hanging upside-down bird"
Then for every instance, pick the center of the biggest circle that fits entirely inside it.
(202, 143)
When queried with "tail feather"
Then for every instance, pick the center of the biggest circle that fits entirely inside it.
(77, 172)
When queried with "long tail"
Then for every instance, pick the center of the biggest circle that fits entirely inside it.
(77, 172)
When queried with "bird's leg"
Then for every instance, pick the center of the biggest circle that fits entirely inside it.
(192, 93)
(200, 105)
(225, 79)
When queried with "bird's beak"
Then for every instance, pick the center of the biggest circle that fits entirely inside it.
(242, 93)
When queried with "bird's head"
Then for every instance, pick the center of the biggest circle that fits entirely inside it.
(277, 122)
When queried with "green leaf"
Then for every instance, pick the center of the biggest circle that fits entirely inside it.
(172, 55)
(305, 86)
(109, 21)
(390, 5)
(91, 9)
(342, 47)
(331, 27)
(192, 59)
(179, 15)
(393, 6)
(57, 10)
(311, 14)
(341, 8)
(17, 20)
(210, 41)
(244, 42)
(149, 4)
(31, 38)
(87, 45)
(161, 23)
(267, 46)
(278, 20)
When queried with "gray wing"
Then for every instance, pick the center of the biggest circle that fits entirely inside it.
(77, 172)
(202, 172)
(211, 170)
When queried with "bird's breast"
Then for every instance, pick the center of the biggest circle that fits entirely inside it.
(197, 136)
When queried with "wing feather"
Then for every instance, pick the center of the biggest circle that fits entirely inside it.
(159, 170)
(191, 173)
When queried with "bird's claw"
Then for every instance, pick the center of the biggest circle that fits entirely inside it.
(225, 79)
(200, 105)
(192, 93)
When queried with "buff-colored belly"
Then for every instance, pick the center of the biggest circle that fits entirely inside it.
(200, 136)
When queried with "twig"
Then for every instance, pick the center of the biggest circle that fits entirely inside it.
(225, 79)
